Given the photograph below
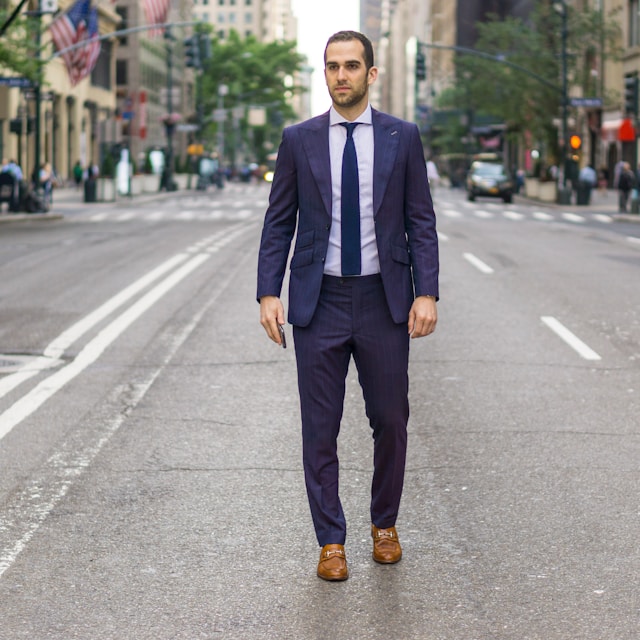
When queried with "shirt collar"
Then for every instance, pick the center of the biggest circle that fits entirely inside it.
(363, 118)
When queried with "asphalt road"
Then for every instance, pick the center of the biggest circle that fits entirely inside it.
(150, 476)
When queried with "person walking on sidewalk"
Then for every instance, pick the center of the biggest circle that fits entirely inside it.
(363, 279)
(626, 182)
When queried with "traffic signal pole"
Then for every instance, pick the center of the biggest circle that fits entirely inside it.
(169, 124)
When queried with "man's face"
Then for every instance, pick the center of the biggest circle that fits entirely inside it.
(346, 74)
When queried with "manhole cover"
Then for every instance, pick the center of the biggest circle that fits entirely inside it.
(10, 363)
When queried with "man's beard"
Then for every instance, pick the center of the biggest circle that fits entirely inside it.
(356, 95)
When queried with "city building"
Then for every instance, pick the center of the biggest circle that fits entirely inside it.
(74, 120)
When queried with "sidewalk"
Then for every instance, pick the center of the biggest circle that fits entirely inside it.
(70, 198)
(606, 203)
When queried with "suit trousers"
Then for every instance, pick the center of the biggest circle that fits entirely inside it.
(352, 319)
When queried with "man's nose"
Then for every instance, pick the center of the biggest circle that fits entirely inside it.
(342, 73)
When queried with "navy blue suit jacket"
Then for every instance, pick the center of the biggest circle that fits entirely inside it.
(300, 198)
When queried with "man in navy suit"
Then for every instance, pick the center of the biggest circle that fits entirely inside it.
(337, 312)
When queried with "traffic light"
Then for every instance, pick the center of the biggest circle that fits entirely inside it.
(205, 48)
(631, 95)
(575, 142)
(421, 65)
(192, 52)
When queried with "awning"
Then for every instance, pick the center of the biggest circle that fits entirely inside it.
(619, 129)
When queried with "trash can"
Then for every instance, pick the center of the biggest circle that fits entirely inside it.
(583, 195)
(564, 195)
(90, 190)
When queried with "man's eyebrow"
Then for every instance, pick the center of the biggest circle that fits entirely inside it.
(356, 61)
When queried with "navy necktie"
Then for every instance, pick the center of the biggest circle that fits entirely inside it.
(350, 210)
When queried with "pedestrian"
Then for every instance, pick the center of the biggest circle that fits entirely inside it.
(603, 180)
(433, 175)
(77, 174)
(626, 182)
(353, 181)
(11, 166)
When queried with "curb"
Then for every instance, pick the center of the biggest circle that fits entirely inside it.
(18, 217)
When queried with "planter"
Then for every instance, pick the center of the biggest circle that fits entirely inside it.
(531, 187)
(547, 191)
(150, 183)
(106, 189)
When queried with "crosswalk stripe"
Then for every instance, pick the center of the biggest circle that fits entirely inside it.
(573, 217)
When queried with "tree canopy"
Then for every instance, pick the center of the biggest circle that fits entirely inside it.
(529, 99)
(259, 74)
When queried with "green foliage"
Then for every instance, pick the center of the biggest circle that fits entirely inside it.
(254, 73)
(108, 168)
(18, 47)
(518, 97)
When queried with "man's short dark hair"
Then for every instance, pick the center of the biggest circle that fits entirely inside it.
(347, 36)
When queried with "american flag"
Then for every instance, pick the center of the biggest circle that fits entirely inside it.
(78, 24)
(156, 12)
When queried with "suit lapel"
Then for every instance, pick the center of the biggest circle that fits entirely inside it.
(386, 136)
(316, 148)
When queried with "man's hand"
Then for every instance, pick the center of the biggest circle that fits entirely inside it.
(423, 316)
(271, 315)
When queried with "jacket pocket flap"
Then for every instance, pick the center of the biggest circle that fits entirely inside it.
(400, 254)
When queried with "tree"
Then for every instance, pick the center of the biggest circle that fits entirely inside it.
(519, 98)
(18, 47)
(255, 74)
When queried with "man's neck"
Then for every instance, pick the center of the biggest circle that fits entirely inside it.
(351, 113)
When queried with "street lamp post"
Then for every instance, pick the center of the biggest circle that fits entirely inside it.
(223, 90)
(564, 195)
(169, 124)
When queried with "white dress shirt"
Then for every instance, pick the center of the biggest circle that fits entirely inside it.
(363, 140)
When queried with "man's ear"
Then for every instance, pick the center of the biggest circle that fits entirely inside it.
(372, 75)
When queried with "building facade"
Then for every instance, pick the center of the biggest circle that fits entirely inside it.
(74, 121)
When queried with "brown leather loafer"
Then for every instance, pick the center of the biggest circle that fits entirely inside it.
(386, 546)
(332, 565)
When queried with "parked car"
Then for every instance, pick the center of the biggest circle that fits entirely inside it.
(489, 179)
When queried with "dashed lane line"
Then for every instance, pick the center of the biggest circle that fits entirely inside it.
(570, 338)
(477, 263)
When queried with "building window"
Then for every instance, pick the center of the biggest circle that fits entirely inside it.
(221, 3)
(232, 17)
(247, 3)
(248, 18)
(122, 72)
(123, 12)
(634, 23)
(221, 18)
(221, 34)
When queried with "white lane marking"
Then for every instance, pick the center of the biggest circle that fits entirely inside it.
(570, 338)
(127, 215)
(602, 217)
(481, 213)
(59, 345)
(633, 240)
(38, 499)
(98, 217)
(443, 236)
(513, 215)
(32, 401)
(452, 213)
(541, 215)
(573, 217)
(477, 263)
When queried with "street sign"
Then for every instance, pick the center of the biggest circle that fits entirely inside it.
(187, 127)
(15, 82)
(220, 115)
(594, 103)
